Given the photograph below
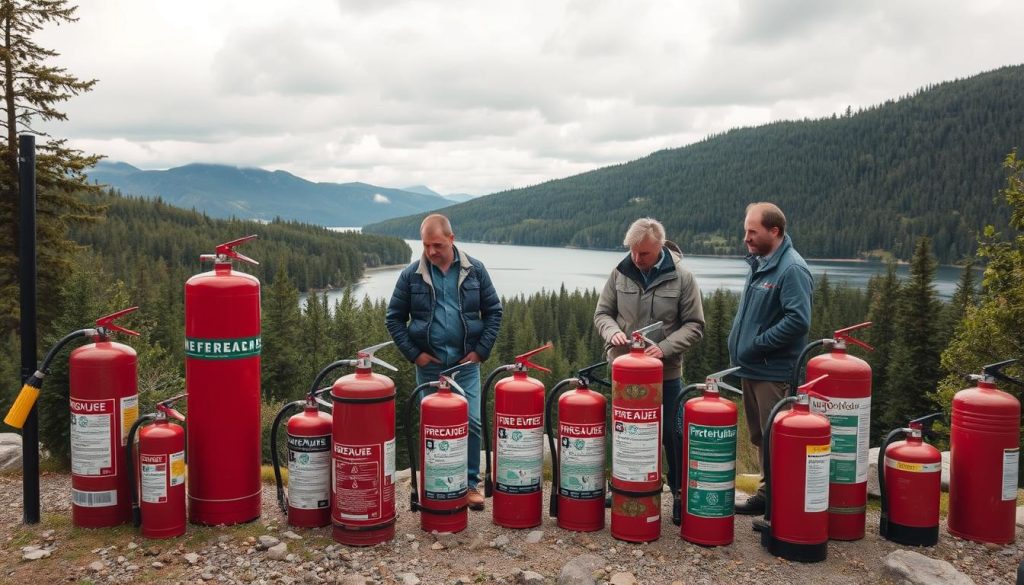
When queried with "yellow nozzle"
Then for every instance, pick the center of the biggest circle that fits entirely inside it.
(22, 406)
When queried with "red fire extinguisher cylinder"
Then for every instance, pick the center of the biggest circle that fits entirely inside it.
(909, 478)
(308, 501)
(578, 478)
(158, 506)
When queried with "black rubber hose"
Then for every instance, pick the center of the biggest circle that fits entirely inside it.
(555, 461)
(323, 374)
(281, 503)
(410, 445)
(794, 382)
(766, 456)
(488, 484)
(883, 524)
(689, 388)
(130, 467)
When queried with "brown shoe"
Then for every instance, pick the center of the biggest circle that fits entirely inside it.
(475, 499)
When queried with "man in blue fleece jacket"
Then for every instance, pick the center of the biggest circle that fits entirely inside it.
(771, 324)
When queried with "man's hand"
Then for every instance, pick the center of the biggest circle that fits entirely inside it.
(471, 357)
(654, 351)
(425, 359)
(619, 339)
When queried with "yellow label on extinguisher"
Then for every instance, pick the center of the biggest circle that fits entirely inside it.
(913, 467)
(817, 477)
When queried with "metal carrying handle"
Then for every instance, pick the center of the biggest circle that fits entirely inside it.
(227, 251)
(995, 372)
(586, 375)
(640, 335)
(523, 360)
(107, 323)
(367, 354)
(844, 335)
(167, 407)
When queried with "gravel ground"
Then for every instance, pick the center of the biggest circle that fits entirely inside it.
(484, 553)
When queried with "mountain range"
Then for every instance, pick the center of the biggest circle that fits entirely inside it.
(248, 193)
(861, 184)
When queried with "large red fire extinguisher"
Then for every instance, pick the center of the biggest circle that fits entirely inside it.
(796, 470)
(636, 442)
(984, 451)
(909, 478)
(363, 453)
(708, 469)
(848, 388)
(222, 366)
(444, 450)
(104, 402)
(518, 478)
(308, 501)
(158, 506)
(577, 486)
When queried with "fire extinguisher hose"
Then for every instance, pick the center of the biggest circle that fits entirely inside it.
(794, 382)
(30, 390)
(766, 458)
(555, 461)
(130, 466)
(488, 482)
(410, 445)
(883, 524)
(688, 390)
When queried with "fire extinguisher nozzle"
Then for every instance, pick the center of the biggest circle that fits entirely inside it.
(21, 408)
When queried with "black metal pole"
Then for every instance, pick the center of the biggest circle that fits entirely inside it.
(27, 278)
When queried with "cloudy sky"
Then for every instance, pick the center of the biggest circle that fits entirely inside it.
(477, 97)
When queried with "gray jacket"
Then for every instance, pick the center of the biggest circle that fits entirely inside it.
(672, 297)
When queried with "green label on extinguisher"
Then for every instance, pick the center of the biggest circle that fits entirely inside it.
(222, 349)
(710, 470)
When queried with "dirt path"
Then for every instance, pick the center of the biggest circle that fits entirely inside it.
(482, 554)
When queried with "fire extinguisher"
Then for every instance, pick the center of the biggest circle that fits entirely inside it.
(104, 402)
(909, 481)
(796, 471)
(518, 479)
(708, 469)
(309, 498)
(848, 409)
(577, 486)
(159, 504)
(444, 451)
(636, 442)
(363, 453)
(222, 366)
(984, 451)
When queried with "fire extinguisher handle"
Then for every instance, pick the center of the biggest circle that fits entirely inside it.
(107, 322)
(523, 359)
(844, 335)
(227, 249)
(996, 371)
(927, 421)
(587, 377)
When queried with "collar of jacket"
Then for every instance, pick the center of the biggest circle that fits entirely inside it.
(774, 260)
(465, 266)
(664, 271)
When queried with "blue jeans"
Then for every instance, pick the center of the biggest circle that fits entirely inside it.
(469, 379)
(671, 438)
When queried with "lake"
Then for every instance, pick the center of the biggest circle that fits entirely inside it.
(526, 270)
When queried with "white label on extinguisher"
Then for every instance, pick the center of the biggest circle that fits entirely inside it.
(129, 414)
(357, 481)
(153, 469)
(309, 464)
(636, 443)
(519, 453)
(389, 460)
(177, 468)
(581, 461)
(851, 429)
(92, 435)
(94, 499)
(445, 459)
(1011, 460)
(816, 482)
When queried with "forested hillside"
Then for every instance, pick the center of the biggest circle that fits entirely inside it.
(869, 182)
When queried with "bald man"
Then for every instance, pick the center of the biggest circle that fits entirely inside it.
(771, 324)
(444, 311)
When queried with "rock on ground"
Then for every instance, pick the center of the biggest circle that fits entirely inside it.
(580, 570)
(917, 569)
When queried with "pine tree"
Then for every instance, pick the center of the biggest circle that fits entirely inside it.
(32, 91)
(281, 357)
(882, 336)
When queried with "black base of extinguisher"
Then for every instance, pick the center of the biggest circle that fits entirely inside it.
(911, 535)
(801, 553)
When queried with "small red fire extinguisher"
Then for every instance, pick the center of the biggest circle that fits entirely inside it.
(984, 455)
(308, 501)
(796, 470)
(363, 453)
(708, 469)
(444, 451)
(518, 479)
(104, 402)
(909, 481)
(636, 483)
(577, 486)
(159, 503)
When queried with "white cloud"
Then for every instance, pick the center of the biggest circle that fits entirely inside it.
(476, 97)
(378, 198)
